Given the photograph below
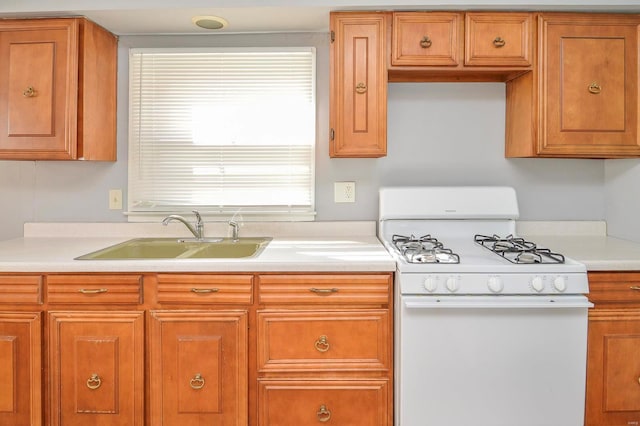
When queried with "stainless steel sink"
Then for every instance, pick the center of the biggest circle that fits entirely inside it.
(173, 248)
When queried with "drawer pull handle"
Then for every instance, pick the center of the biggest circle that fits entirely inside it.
(426, 42)
(93, 290)
(205, 290)
(323, 414)
(595, 88)
(499, 42)
(635, 287)
(323, 290)
(29, 92)
(197, 382)
(94, 381)
(322, 344)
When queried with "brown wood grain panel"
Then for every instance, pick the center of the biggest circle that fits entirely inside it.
(94, 289)
(20, 289)
(194, 289)
(498, 39)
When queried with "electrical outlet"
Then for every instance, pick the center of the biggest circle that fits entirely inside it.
(115, 199)
(344, 192)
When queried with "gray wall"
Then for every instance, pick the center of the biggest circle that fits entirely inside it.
(438, 134)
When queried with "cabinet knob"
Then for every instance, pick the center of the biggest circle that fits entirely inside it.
(361, 88)
(499, 42)
(197, 382)
(426, 42)
(29, 92)
(94, 381)
(595, 88)
(323, 414)
(322, 344)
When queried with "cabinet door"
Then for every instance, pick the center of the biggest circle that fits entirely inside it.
(96, 368)
(498, 39)
(199, 368)
(589, 86)
(426, 39)
(358, 85)
(613, 368)
(20, 369)
(313, 402)
(38, 89)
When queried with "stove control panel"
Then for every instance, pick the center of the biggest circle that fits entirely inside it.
(475, 283)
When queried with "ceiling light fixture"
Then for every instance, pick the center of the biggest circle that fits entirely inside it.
(209, 22)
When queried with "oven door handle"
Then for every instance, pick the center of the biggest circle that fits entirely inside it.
(495, 302)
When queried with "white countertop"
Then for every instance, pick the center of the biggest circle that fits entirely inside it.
(296, 247)
(586, 242)
(350, 247)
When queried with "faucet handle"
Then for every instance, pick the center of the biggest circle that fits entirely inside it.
(198, 217)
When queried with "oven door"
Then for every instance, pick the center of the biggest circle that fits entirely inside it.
(491, 360)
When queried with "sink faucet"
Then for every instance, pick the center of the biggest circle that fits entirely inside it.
(197, 232)
(234, 230)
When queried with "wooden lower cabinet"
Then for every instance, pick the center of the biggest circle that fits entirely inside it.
(196, 349)
(613, 360)
(96, 362)
(313, 402)
(20, 369)
(198, 368)
(324, 350)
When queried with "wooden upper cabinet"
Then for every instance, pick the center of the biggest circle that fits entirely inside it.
(358, 85)
(57, 90)
(426, 39)
(498, 39)
(583, 97)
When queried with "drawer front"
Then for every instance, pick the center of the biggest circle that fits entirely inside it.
(426, 39)
(504, 39)
(20, 289)
(324, 341)
(219, 289)
(335, 402)
(94, 289)
(614, 287)
(324, 289)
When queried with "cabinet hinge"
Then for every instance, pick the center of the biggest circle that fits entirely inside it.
(332, 134)
(333, 36)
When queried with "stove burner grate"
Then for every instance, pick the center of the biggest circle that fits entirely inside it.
(425, 249)
(518, 250)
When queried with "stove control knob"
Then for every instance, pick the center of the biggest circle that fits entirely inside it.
(495, 284)
(430, 284)
(452, 284)
(537, 284)
(560, 284)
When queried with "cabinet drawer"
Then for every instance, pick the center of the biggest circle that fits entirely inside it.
(336, 402)
(19, 289)
(96, 289)
(426, 39)
(331, 340)
(616, 287)
(219, 289)
(324, 289)
(504, 39)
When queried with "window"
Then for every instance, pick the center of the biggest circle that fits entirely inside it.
(222, 131)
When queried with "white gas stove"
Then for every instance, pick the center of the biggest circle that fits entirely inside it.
(490, 328)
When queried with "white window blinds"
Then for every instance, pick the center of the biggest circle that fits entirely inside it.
(222, 131)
